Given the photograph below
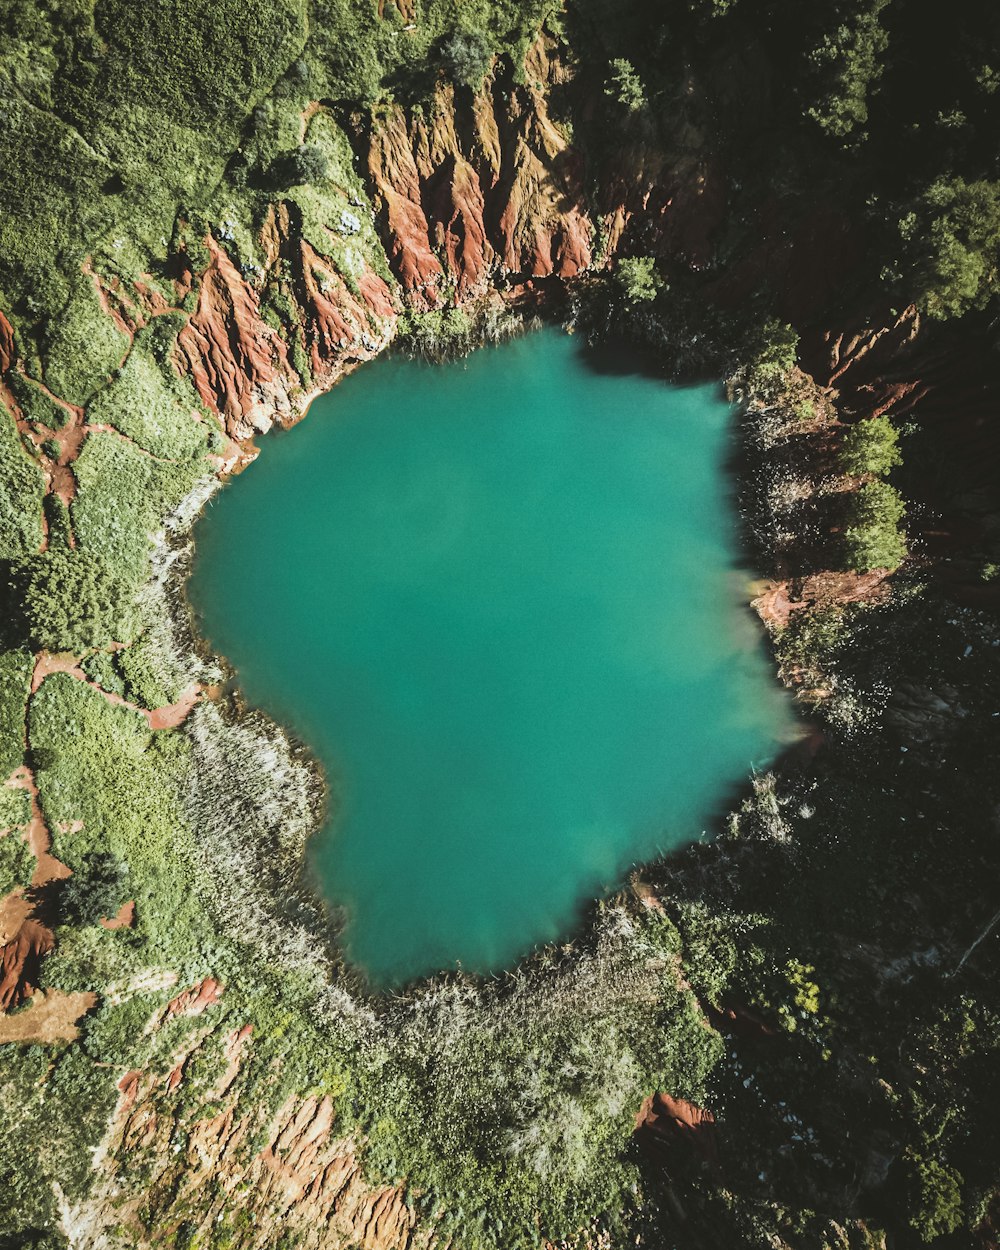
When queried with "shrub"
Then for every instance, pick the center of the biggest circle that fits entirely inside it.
(935, 1199)
(624, 86)
(467, 56)
(97, 890)
(74, 602)
(308, 163)
(21, 497)
(638, 279)
(151, 405)
(771, 353)
(84, 346)
(873, 537)
(15, 681)
(871, 446)
(16, 860)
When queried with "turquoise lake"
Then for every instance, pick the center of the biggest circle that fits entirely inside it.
(501, 601)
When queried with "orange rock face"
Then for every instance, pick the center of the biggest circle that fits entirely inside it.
(242, 367)
(479, 190)
(237, 362)
(301, 1176)
(6, 344)
(19, 960)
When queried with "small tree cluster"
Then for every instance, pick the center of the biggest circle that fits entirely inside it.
(873, 537)
(97, 890)
(624, 86)
(73, 602)
(871, 446)
(954, 233)
(638, 279)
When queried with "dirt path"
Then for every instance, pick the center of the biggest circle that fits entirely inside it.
(169, 716)
(51, 1016)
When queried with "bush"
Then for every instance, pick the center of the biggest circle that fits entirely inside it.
(624, 86)
(871, 446)
(638, 279)
(97, 890)
(151, 405)
(308, 163)
(73, 602)
(21, 498)
(771, 353)
(15, 682)
(84, 346)
(873, 537)
(935, 1197)
(16, 860)
(467, 56)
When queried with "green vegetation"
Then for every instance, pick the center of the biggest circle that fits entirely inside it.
(871, 446)
(151, 405)
(873, 536)
(83, 345)
(638, 279)
(96, 890)
(624, 86)
(35, 405)
(15, 680)
(72, 603)
(16, 860)
(848, 61)
(954, 233)
(843, 919)
(21, 502)
(468, 57)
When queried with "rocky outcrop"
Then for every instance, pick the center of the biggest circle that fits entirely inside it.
(20, 958)
(481, 189)
(238, 364)
(7, 354)
(295, 1173)
(242, 367)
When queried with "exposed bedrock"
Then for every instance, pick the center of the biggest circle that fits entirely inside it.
(480, 188)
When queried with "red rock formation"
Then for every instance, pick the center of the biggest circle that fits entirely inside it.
(479, 190)
(194, 1001)
(674, 1121)
(241, 367)
(238, 364)
(302, 1176)
(6, 345)
(19, 960)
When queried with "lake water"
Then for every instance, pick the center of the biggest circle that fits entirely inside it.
(500, 601)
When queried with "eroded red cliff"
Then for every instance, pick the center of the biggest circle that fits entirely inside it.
(482, 188)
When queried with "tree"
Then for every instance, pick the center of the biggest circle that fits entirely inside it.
(625, 86)
(771, 352)
(97, 890)
(849, 60)
(468, 56)
(871, 446)
(954, 234)
(308, 163)
(936, 1197)
(638, 279)
(873, 537)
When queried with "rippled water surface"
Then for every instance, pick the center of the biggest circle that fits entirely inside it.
(499, 600)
